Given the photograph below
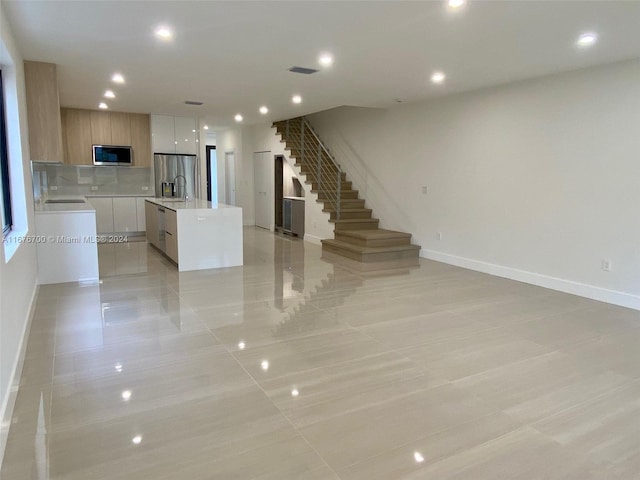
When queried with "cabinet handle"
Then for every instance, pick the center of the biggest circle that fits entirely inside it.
(168, 233)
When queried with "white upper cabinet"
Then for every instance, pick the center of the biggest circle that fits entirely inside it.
(185, 129)
(163, 134)
(174, 134)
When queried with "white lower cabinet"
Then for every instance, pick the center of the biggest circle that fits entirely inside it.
(119, 214)
(104, 213)
(125, 218)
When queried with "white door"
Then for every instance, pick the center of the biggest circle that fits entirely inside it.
(230, 178)
(263, 185)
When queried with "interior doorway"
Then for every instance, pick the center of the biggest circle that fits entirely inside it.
(230, 178)
(263, 189)
(278, 190)
(212, 174)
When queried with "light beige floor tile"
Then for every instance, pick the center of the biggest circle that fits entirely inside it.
(151, 353)
(356, 436)
(400, 462)
(307, 353)
(100, 399)
(522, 454)
(604, 427)
(323, 393)
(619, 352)
(540, 386)
(572, 328)
(462, 356)
(424, 329)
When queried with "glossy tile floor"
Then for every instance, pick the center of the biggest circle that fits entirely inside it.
(298, 367)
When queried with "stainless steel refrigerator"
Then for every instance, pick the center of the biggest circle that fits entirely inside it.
(176, 175)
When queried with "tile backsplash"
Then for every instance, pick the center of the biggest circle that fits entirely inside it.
(57, 180)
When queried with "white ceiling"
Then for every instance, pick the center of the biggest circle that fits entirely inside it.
(234, 55)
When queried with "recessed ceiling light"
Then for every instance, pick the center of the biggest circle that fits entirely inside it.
(264, 110)
(238, 118)
(164, 33)
(109, 94)
(438, 77)
(126, 395)
(206, 127)
(103, 106)
(295, 392)
(325, 59)
(117, 78)
(296, 99)
(587, 39)
(137, 439)
(418, 457)
(264, 365)
(455, 4)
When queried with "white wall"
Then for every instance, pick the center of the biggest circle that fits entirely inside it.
(536, 180)
(237, 140)
(317, 226)
(17, 274)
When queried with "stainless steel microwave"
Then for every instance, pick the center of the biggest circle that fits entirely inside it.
(112, 155)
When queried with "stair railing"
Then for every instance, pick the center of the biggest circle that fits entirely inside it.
(317, 159)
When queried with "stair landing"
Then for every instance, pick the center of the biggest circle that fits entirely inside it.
(372, 245)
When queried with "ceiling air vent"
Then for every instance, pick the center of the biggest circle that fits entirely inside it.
(305, 71)
(192, 102)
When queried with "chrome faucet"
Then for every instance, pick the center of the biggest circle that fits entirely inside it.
(184, 190)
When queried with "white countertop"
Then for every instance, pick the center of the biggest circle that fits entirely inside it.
(194, 204)
(92, 195)
(84, 207)
(294, 198)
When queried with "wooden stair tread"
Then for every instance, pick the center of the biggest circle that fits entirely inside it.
(365, 250)
(354, 220)
(347, 210)
(377, 234)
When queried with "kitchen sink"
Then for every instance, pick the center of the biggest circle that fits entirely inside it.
(64, 201)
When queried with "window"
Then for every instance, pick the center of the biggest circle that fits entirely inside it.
(7, 220)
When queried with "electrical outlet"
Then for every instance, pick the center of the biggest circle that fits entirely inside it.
(424, 189)
(53, 187)
(606, 265)
(439, 235)
(94, 188)
(145, 188)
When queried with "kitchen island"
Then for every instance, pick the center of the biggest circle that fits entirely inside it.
(197, 234)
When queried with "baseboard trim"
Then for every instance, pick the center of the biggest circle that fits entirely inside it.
(567, 286)
(312, 239)
(8, 403)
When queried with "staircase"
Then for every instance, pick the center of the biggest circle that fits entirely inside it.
(357, 234)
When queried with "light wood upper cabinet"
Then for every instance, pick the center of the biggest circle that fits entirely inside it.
(77, 136)
(120, 128)
(141, 140)
(101, 128)
(43, 111)
(83, 128)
